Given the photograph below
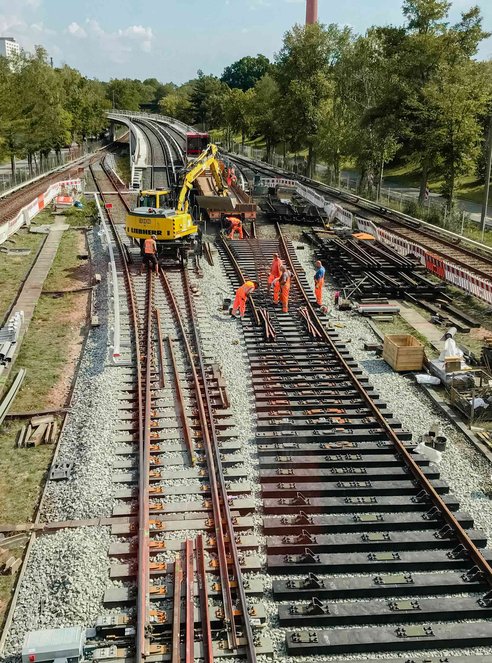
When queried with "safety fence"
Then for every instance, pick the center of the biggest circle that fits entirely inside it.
(27, 213)
(439, 266)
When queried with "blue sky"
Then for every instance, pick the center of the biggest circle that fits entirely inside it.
(171, 39)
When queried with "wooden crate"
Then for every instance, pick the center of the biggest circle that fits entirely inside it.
(403, 352)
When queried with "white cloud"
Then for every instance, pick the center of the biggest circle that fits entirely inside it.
(121, 44)
(77, 30)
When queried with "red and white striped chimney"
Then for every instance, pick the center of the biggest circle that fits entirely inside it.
(311, 11)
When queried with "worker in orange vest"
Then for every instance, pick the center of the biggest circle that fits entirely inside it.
(274, 270)
(319, 280)
(281, 288)
(150, 255)
(236, 226)
(242, 296)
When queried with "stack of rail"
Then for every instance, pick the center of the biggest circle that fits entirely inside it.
(371, 269)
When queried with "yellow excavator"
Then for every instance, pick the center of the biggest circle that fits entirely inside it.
(175, 228)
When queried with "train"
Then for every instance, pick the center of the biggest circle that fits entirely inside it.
(196, 143)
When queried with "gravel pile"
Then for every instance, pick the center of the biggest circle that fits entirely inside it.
(64, 583)
(88, 440)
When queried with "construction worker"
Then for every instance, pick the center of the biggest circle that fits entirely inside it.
(319, 280)
(274, 270)
(281, 288)
(242, 296)
(236, 226)
(150, 254)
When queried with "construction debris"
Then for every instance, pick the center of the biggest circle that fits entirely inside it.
(40, 430)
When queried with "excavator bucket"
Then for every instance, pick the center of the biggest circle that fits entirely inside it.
(222, 203)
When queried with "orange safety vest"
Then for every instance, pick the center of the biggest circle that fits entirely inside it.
(150, 246)
(275, 268)
(246, 288)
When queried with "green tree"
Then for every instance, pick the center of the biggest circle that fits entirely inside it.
(265, 106)
(455, 101)
(207, 101)
(246, 72)
(303, 72)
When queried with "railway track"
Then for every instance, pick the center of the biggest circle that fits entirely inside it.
(181, 489)
(478, 261)
(368, 549)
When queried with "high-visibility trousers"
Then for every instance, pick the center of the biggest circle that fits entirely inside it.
(318, 290)
(239, 304)
(284, 296)
(276, 292)
(238, 229)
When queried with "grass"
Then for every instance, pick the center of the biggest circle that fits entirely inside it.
(123, 168)
(66, 264)
(409, 175)
(13, 268)
(44, 353)
(45, 350)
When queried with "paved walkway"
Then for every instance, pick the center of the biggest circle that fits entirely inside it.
(33, 286)
(432, 333)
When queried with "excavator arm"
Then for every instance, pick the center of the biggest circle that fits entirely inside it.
(206, 160)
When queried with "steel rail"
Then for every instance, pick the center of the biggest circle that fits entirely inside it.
(214, 451)
(410, 462)
(202, 588)
(204, 421)
(240, 274)
(217, 480)
(190, 608)
(182, 414)
(141, 641)
(143, 569)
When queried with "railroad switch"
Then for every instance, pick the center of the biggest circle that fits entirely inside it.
(396, 579)
(414, 632)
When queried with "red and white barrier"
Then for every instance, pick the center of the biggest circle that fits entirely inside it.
(27, 213)
(436, 264)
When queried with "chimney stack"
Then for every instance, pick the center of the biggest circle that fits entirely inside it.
(311, 11)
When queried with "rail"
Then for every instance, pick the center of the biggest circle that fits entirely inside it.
(217, 481)
(411, 464)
